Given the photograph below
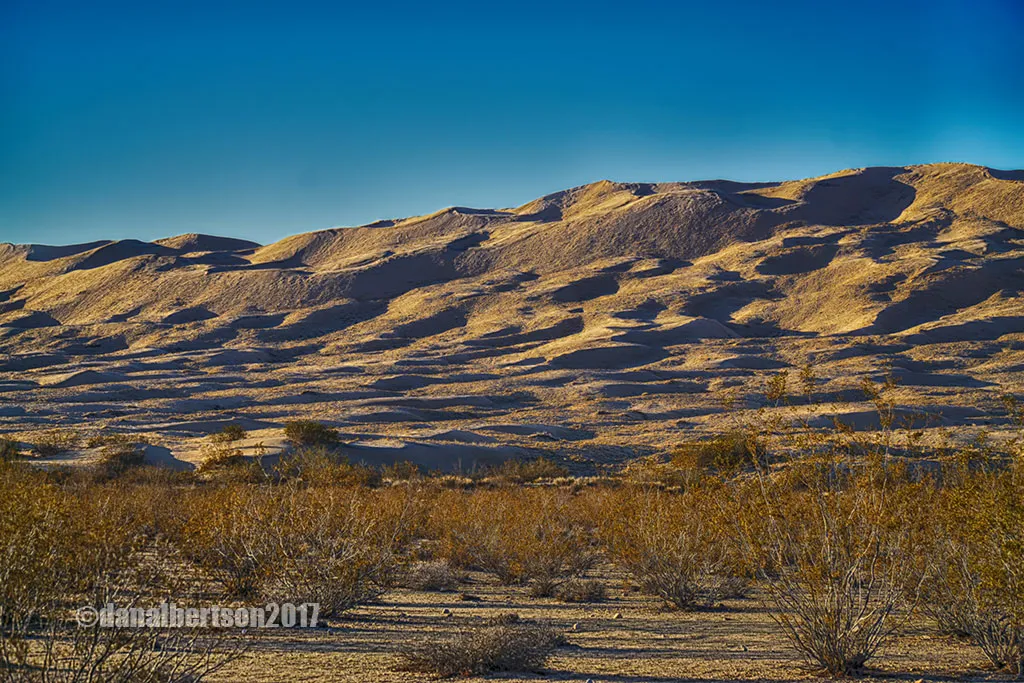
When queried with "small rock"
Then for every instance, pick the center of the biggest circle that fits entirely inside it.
(575, 627)
(446, 612)
(618, 615)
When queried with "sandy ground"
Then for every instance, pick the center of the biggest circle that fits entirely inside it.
(648, 643)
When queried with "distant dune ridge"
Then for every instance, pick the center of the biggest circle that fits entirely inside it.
(602, 282)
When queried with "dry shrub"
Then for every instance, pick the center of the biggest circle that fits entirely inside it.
(524, 472)
(224, 535)
(65, 548)
(435, 576)
(975, 584)
(675, 545)
(226, 463)
(521, 536)
(502, 644)
(581, 590)
(56, 441)
(402, 471)
(332, 545)
(319, 466)
(336, 547)
(725, 453)
(118, 458)
(653, 471)
(113, 439)
(838, 565)
(9, 450)
(310, 433)
(229, 434)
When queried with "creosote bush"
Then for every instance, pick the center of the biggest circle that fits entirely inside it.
(337, 546)
(9, 449)
(68, 546)
(114, 439)
(434, 576)
(320, 466)
(835, 563)
(310, 433)
(581, 590)
(521, 536)
(229, 434)
(504, 644)
(526, 471)
(401, 471)
(118, 458)
(676, 546)
(725, 453)
(974, 583)
(56, 441)
(223, 462)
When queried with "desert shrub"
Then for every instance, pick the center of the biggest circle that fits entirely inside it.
(522, 472)
(224, 534)
(319, 466)
(975, 584)
(653, 471)
(56, 441)
(332, 545)
(401, 471)
(507, 645)
(116, 459)
(225, 463)
(434, 576)
(310, 433)
(581, 590)
(839, 570)
(675, 545)
(114, 439)
(9, 449)
(68, 547)
(529, 536)
(229, 434)
(335, 547)
(727, 452)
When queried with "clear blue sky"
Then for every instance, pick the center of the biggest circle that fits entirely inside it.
(149, 118)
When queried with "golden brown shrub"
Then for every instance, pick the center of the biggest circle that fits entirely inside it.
(676, 545)
(521, 536)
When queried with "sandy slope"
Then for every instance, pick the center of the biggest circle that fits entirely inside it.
(600, 322)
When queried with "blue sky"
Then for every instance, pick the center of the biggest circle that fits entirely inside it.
(259, 119)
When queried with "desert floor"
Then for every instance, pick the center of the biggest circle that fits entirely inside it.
(738, 641)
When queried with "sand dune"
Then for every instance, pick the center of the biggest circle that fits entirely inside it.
(609, 319)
